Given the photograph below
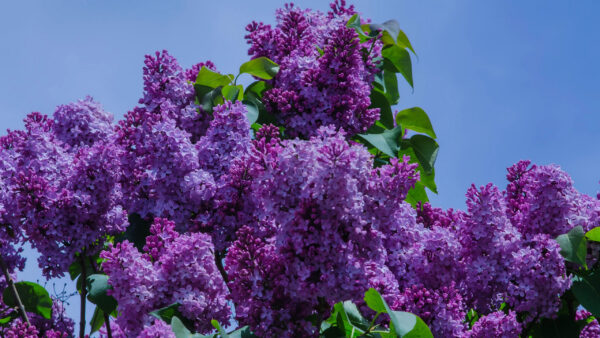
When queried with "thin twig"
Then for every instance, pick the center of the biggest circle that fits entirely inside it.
(83, 298)
(13, 288)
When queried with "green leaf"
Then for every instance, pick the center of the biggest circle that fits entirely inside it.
(217, 326)
(354, 22)
(97, 285)
(137, 231)
(208, 97)
(257, 88)
(252, 111)
(391, 87)
(169, 312)
(233, 93)
(403, 324)
(211, 79)
(33, 296)
(179, 329)
(261, 67)
(573, 246)
(407, 325)
(75, 267)
(97, 320)
(387, 142)
(417, 194)
(374, 301)
(12, 316)
(593, 235)
(586, 287)
(426, 150)
(415, 119)
(379, 100)
(427, 179)
(243, 332)
(402, 41)
(398, 60)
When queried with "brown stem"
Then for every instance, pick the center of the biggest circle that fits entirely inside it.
(83, 277)
(219, 263)
(11, 285)
(106, 316)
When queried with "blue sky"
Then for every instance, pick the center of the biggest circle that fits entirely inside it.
(501, 81)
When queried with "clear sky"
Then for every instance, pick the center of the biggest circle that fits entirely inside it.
(501, 80)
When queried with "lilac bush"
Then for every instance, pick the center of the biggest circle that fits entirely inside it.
(295, 206)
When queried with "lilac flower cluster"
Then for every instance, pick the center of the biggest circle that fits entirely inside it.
(313, 87)
(174, 268)
(53, 171)
(496, 324)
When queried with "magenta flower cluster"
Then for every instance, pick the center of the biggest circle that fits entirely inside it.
(273, 227)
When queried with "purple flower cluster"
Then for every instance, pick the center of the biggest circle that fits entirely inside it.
(61, 183)
(496, 324)
(174, 268)
(325, 72)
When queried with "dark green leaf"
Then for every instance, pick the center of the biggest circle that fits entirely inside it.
(593, 235)
(573, 246)
(233, 93)
(243, 332)
(209, 78)
(12, 316)
(260, 67)
(561, 327)
(252, 111)
(415, 119)
(391, 87)
(407, 325)
(333, 332)
(398, 60)
(97, 320)
(586, 287)
(387, 142)
(33, 296)
(137, 231)
(167, 314)
(378, 100)
(426, 150)
(97, 285)
(428, 180)
(374, 301)
(75, 267)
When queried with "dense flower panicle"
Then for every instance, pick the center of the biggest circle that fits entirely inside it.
(183, 271)
(436, 217)
(169, 91)
(159, 329)
(163, 165)
(55, 188)
(133, 280)
(496, 324)
(258, 284)
(20, 329)
(188, 271)
(310, 89)
(82, 123)
(488, 239)
(543, 200)
(591, 330)
(227, 137)
(537, 277)
(442, 309)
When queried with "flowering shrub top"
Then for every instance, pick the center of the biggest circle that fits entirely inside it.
(293, 207)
